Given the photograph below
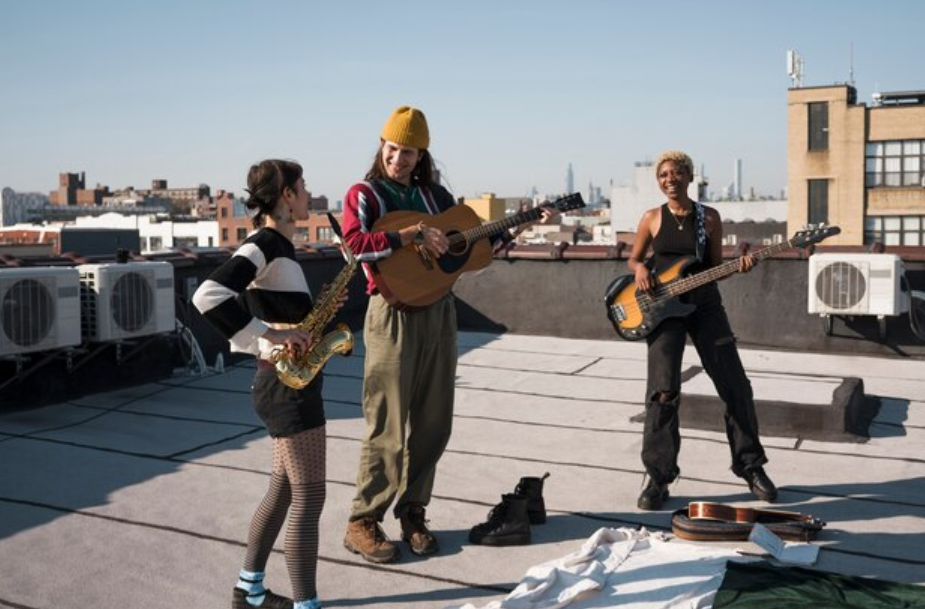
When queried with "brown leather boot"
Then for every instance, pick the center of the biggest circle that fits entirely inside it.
(366, 538)
(414, 530)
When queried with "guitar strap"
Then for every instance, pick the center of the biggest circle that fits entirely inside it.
(700, 245)
(385, 199)
(416, 198)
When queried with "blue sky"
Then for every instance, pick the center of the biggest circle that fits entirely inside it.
(195, 91)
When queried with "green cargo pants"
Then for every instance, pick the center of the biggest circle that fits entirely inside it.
(408, 391)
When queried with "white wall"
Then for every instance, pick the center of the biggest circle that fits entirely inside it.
(157, 234)
(629, 202)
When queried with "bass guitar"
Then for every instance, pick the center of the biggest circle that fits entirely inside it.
(411, 277)
(635, 314)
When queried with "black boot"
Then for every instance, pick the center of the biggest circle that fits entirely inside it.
(653, 496)
(532, 488)
(507, 525)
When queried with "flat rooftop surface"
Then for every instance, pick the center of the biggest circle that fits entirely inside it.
(142, 497)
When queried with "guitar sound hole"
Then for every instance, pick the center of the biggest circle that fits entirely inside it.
(458, 245)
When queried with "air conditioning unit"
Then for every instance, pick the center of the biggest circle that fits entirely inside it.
(856, 284)
(40, 309)
(122, 301)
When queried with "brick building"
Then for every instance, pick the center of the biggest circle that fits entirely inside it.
(858, 167)
(234, 224)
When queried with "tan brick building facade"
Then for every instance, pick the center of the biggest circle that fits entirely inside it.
(858, 167)
(234, 225)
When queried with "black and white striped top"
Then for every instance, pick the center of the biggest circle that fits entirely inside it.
(260, 286)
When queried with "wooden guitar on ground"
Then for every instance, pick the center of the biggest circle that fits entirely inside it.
(636, 314)
(412, 278)
(706, 521)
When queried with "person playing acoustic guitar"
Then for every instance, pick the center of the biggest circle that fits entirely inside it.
(410, 366)
(683, 227)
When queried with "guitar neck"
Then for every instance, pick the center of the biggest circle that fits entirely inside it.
(493, 228)
(686, 284)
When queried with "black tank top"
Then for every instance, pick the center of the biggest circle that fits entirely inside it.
(672, 242)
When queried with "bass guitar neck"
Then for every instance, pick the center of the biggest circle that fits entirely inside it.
(635, 314)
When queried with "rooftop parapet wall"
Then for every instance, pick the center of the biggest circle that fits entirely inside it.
(558, 290)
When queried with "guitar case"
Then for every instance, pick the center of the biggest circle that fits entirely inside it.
(800, 528)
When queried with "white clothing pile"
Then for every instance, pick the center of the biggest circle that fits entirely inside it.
(627, 568)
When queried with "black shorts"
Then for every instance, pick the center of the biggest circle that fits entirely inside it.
(286, 411)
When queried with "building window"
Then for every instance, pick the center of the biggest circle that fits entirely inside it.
(156, 244)
(818, 201)
(819, 126)
(224, 212)
(325, 234)
(241, 234)
(895, 163)
(224, 235)
(895, 230)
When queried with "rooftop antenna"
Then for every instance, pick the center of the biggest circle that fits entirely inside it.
(795, 68)
(851, 64)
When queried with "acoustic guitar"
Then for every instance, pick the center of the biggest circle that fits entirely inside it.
(635, 314)
(411, 277)
(720, 512)
(706, 521)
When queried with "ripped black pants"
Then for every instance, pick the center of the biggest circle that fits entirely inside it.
(709, 330)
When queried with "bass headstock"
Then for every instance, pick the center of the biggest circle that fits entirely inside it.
(813, 233)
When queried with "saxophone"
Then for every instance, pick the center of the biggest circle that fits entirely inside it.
(297, 370)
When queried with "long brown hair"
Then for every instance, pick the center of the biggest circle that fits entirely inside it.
(422, 175)
(266, 182)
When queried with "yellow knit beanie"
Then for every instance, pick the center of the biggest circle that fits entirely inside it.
(408, 127)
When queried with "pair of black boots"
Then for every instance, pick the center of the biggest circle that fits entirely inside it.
(509, 522)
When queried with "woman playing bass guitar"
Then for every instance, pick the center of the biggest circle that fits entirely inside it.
(684, 227)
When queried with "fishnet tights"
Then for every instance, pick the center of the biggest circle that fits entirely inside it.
(296, 487)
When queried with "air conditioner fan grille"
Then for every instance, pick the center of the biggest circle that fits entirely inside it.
(841, 285)
(28, 312)
(132, 302)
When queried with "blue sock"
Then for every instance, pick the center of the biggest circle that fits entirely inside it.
(252, 583)
(312, 603)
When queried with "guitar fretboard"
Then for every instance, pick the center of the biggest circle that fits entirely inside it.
(493, 228)
(686, 284)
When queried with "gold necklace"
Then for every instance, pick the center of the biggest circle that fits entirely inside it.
(680, 222)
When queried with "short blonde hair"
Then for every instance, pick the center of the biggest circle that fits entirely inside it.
(676, 156)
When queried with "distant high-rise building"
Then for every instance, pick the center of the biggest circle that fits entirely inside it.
(737, 180)
(569, 180)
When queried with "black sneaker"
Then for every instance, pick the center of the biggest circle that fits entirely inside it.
(760, 485)
(270, 601)
(652, 496)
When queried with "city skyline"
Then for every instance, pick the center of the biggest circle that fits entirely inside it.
(514, 93)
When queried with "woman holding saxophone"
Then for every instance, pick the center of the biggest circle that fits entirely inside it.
(254, 299)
